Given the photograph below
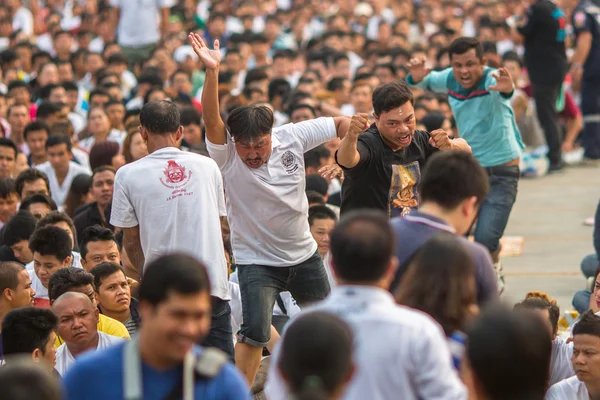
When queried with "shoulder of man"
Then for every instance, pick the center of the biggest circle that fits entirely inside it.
(112, 327)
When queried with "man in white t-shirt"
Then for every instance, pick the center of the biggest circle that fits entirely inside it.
(172, 201)
(399, 352)
(267, 209)
(59, 168)
(78, 327)
(586, 363)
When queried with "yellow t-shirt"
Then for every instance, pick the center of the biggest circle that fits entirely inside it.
(107, 325)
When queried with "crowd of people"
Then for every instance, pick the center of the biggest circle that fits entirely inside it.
(273, 198)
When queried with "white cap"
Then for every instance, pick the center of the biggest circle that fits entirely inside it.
(363, 9)
(183, 52)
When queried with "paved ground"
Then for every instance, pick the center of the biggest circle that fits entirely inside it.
(549, 214)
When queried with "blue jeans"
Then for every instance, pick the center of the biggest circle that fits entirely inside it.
(260, 285)
(220, 335)
(496, 208)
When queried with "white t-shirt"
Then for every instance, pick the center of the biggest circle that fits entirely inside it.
(236, 309)
(267, 207)
(569, 389)
(60, 192)
(75, 263)
(65, 360)
(41, 292)
(176, 198)
(23, 21)
(399, 352)
(130, 32)
(560, 363)
(114, 135)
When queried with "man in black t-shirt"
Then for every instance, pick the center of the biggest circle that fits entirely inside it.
(383, 165)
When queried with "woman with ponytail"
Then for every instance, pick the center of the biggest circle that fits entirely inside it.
(316, 356)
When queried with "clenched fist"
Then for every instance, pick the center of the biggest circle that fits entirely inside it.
(358, 124)
(440, 139)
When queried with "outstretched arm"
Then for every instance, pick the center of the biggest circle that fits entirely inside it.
(348, 155)
(215, 128)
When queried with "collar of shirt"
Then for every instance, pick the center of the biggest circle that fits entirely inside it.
(430, 220)
(371, 294)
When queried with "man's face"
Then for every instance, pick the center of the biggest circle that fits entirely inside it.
(49, 352)
(301, 114)
(385, 75)
(514, 70)
(342, 69)
(77, 321)
(177, 323)
(59, 157)
(46, 266)
(65, 72)
(58, 95)
(233, 62)
(257, 153)
(22, 252)
(48, 75)
(182, 84)
(99, 252)
(99, 100)
(72, 99)
(102, 187)
(467, 68)
(23, 295)
(7, 161)
(397, 126)
(93, 63)
(321, 231)
(114, 293)
(586, 357)
(39, 210)
(36, 140)
(8, 207)
(115, 112)
(63, 43)
(18, 117)
(20, 95)
(360, 98)
(192, 134)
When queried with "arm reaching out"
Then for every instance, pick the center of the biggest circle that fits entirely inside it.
(348, 155)
(441, 140)
(215, 128)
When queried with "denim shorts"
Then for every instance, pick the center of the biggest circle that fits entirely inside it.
(260, 285)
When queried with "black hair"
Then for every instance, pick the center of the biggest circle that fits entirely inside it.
(588, 324)
(104, 270)
(6, 142)
(191, 116)
(26, 329)
(17, 85)
(389, 66)
(316, 355)
(19, 228)
(320, 212)
(70, 86)
(46, 109)
(247, 123)
(335, 84)
(58, 140)
(317, 183)
(433, 120)
(279, 87)
(541, 301)
(36, 126)
(295, 107)
(66, 279)
(7, 187)
(54, 217)
(173, 273)
(46, 91)
(255, 75)
(9, 275)
(464, 44)
(35, 199)
(97, 92)
(41, 54)
(52, 241)
(94, 233)
(513, 56)
(117, 58)
(24, 379)
(362, 237)
(391, 95)
(313, 157)
(503, 347)
(314, 197)
(452, 177)
(160, 117)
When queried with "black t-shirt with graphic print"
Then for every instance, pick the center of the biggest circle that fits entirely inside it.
(384, 179)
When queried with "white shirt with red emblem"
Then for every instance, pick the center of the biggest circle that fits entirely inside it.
(176, 198)
(267, 207)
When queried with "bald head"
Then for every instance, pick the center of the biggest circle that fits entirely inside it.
(77, 321)
(70, 298)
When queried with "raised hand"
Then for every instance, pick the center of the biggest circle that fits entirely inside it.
(418, 69)
(439, 138)
(358, 124)
(330, 172)
(210, 58)
(504, 83)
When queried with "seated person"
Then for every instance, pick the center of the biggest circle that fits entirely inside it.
(77, 280)
(78, 325)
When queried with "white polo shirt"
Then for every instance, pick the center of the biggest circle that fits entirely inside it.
(176, 198)
(65, 360)
(131, 32)
(569, 389)
(560, 362)
(60, 192)
(267, 207)
(399, 352)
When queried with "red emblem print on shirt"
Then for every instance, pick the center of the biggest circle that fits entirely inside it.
(176, 179)
(174, 172)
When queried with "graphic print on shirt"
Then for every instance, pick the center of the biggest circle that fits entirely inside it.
(403, 195)
(177, 179)
(559, 16)
(288, 159)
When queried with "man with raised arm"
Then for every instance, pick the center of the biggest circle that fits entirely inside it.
(263, 169)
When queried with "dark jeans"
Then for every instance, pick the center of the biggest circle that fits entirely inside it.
(220, 335)
(260, 285)
(496, 208)
(590, 108)
(545, 97)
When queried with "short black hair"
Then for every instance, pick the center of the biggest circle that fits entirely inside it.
(362, 237)
(97, 92)
(173, 273)
(247, 123)
(94, 233)
(35, 199)
(513, 56)
(295, 107)
(55, 217)
(317, 183)
(464, 44)
(191, 116)
(104, 270)
(541, 301)
(7, 187)
(16, 84)
(36, 126)
(389, 66)
(313, 157)
(58, 140)
(19, 228)
(9, 275)
(46, 109)
(588, 324)
(160, 117)
(66, 279)
(450, 177)
(279, 87)
(6, 142)
(314, 197)
(46, 91)
(320, 212)
(503, 347)
(28, 176)
(26, 329)
(255, 75)
(70, 86)
(336, 84)
(24, 379)
(52, 241)
(391, 95)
